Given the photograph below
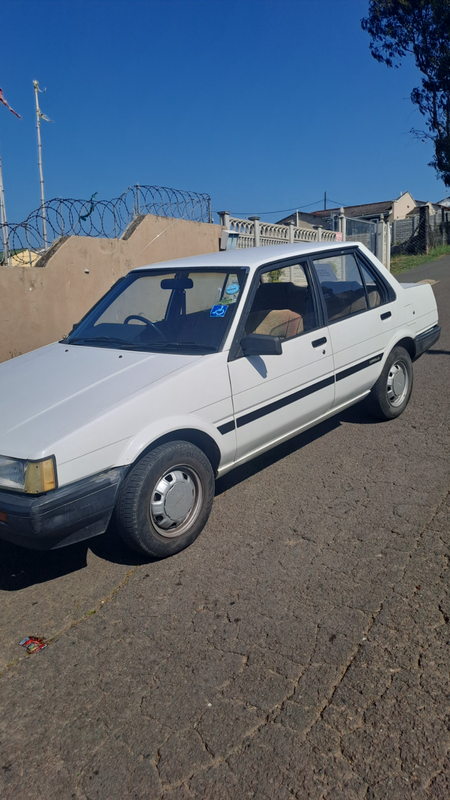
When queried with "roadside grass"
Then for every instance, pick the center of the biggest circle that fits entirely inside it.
(403, 262)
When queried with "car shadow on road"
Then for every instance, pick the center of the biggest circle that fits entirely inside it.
(437, 353)
(20, 568)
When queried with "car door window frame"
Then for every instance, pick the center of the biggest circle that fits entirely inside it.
(303, 261)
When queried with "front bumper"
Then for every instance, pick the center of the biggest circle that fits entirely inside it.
(63, 516)
(426, 340)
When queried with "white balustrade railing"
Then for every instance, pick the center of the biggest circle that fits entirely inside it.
(254, 233)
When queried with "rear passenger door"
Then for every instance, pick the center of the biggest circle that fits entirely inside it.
(360, 312)
(275, 395)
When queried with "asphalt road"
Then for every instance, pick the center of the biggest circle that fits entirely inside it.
(300, 648)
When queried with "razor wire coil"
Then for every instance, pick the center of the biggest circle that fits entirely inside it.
(102, 218)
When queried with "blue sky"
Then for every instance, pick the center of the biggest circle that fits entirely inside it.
(262, 104)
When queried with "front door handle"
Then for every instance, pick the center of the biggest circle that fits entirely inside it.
(318, 342)
(386, 315)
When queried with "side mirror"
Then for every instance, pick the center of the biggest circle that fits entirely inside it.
(258, 344)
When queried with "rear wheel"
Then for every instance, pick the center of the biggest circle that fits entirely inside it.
(390, 395)
(166, 500)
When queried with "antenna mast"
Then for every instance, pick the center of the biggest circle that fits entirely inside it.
(41, 174)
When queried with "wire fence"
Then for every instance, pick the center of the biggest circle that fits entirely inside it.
(25, 242)
(420, 232)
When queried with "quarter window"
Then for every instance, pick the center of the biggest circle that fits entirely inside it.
(374, 290)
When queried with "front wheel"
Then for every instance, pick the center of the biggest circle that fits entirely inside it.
(390, 395)
(166, 500)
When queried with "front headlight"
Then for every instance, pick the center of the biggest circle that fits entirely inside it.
(32, 477)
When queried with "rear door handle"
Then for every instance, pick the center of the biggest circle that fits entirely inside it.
(386, 315)
(318, 342)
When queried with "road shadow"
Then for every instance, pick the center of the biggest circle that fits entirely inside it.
(20, 568)
(438, 352)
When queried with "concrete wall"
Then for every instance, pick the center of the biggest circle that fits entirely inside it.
(40, 304)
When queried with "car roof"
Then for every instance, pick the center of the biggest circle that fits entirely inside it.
(252, 257)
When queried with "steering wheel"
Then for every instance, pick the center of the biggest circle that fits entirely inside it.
(147, 322)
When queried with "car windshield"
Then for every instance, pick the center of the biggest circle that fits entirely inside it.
(187, 310)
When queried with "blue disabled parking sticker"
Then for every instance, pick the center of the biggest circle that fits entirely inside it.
(218, 311)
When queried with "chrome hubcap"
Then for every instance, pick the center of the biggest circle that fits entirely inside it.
(397, 384)
(175, 501)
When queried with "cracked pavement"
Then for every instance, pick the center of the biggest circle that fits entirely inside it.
(299, 649)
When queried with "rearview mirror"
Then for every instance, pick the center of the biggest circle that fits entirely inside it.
(258, 344)
(177, 283)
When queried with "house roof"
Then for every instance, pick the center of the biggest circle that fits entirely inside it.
(367, 209)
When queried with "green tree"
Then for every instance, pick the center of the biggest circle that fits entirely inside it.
(420, 28)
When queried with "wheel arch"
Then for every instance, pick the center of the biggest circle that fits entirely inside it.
(197, 437)
(408, 344)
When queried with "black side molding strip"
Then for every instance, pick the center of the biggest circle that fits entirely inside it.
(285, 401)
(357, 367)
(227, 427)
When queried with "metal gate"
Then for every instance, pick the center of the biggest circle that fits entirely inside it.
(360, 230)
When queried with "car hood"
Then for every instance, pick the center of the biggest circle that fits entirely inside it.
(51, 390)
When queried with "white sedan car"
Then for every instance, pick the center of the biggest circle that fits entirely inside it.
(184, 370)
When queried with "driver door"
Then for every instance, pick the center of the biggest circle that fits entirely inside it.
(277, 395)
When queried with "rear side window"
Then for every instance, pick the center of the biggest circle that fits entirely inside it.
(342, 285)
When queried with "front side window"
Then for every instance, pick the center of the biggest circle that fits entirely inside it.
(283, 304)
(342, 285)
(187, 311)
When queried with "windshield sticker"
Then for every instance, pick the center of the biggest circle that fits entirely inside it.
(218, 311)
(233, 288)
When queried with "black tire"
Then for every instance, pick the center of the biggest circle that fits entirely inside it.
(165, 501)
(390, 395)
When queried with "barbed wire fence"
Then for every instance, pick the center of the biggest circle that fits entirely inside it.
(103, 218)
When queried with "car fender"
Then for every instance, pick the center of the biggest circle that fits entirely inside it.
(167, 427)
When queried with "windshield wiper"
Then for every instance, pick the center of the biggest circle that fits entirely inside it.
(172, 345)
(101, 339)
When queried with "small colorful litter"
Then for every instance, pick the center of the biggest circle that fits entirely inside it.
(32, 644)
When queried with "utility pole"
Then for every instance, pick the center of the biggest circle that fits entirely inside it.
(325, 201)
(39, 114)
(3, 221)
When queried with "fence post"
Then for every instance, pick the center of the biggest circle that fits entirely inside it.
(319, 233)
(379, 240)
(291, 231)
(387, 237)
(255, 220)
(28, 246)
(138, 200)
(424, 228)
(342, 225)
(224, 219)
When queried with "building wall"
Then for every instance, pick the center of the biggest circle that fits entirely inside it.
(40, 304)
(402, 206)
